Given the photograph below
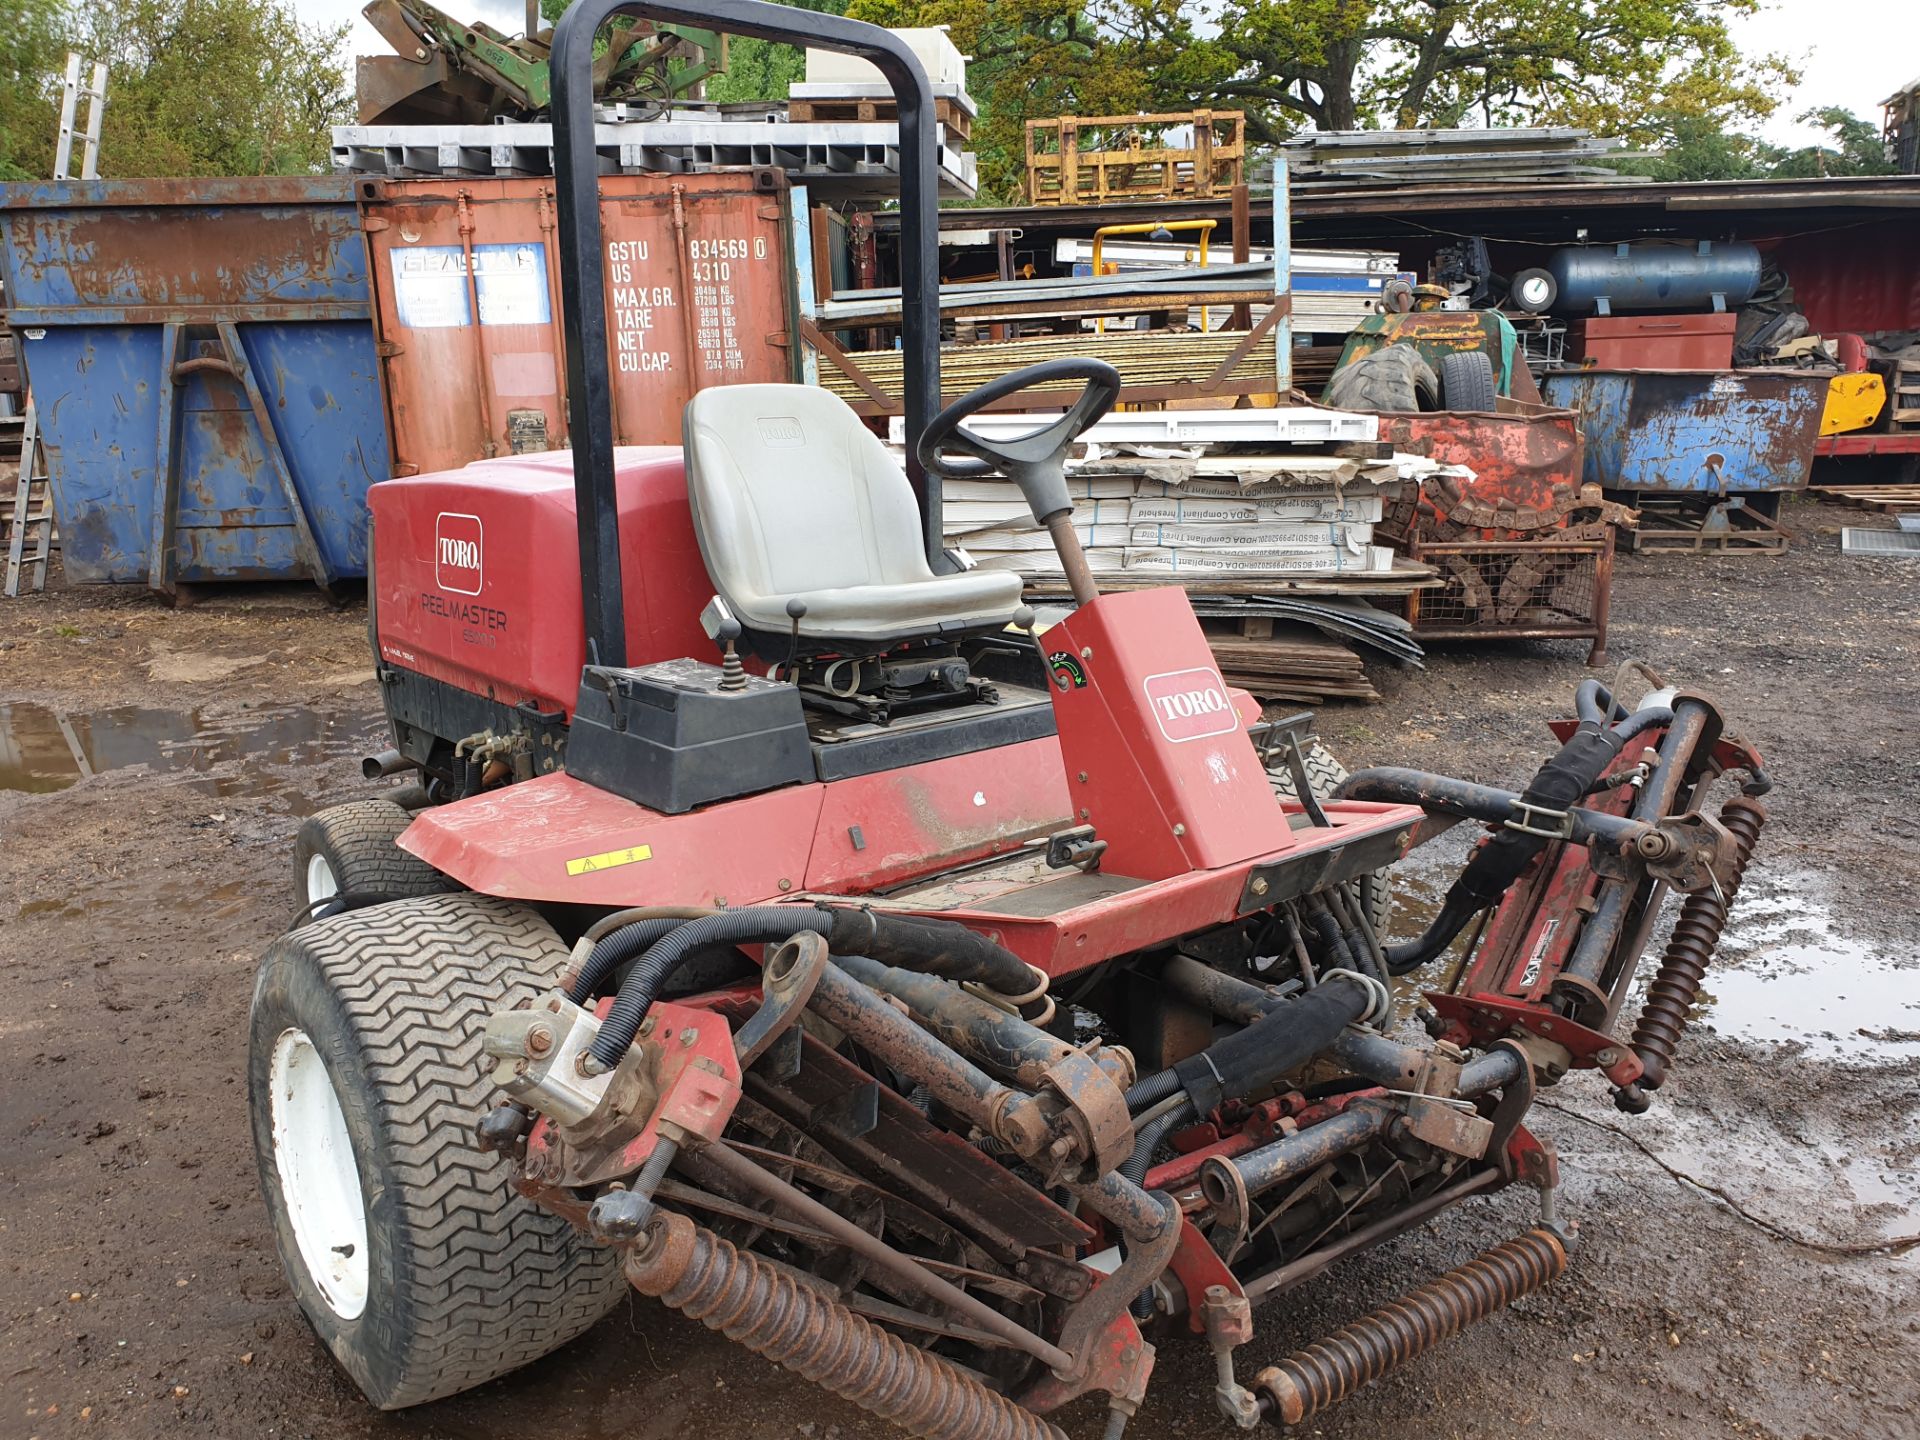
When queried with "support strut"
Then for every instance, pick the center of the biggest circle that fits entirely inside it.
(772, 1314)
(1696, 935)
(1322, 1375)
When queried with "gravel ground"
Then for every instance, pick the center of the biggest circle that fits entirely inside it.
(1716, 1290)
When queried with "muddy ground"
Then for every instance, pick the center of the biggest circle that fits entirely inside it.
(142, 1296)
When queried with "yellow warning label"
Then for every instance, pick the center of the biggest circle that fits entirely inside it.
(587, 864)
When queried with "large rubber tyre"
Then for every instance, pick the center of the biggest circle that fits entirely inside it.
(352, 849)
(372, 1153)
(1466, 382)
(1324, 773)
(1394, 379)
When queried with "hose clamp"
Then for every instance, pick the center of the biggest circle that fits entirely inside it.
(1538, 820)
(1379, 998)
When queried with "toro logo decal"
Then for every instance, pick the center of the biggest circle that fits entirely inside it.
(457, 548)
(1191, 705)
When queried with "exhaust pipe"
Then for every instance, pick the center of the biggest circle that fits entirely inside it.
(387, 762)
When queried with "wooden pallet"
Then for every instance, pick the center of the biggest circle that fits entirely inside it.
(949, 112)
(1887, 499)
(1904, 399)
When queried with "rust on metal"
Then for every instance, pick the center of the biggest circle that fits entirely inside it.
(467, 301)
(1310, 1380)
(795, 1326)
(1696, 934)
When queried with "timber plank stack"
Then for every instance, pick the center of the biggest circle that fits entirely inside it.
(1238, 527)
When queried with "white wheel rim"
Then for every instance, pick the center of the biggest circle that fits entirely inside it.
(319, 1182)
(321, 884)
(1533, 293)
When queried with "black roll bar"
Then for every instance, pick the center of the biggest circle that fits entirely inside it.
(576, 169)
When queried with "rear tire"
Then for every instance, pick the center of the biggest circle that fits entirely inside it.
(1394, 380)
(416, 1263)
(1466, 382)
(353, 849)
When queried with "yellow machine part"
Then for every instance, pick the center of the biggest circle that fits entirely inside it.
(1853, 403)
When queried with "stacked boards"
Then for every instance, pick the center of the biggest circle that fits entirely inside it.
(1276, 548)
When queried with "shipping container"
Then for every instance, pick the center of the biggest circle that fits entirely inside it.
(1695, 432)
(203, 363)
(466, 279)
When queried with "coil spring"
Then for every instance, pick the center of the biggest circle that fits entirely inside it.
(1696, 935)
(1325, 1373)
(772, 1314)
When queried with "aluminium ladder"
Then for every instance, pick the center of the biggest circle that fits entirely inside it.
(32, 512)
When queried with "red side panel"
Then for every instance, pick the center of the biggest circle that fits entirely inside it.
(914, 821)
(555, 838)
(1156, 752)
(477, 573)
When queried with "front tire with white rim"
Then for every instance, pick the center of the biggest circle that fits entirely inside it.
(354, 849)
(419, 1267)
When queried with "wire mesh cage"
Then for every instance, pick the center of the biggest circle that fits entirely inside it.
(1522, 590)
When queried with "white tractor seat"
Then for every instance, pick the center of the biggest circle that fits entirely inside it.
(794, 499)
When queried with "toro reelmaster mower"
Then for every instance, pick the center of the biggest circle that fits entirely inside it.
(948, 1013)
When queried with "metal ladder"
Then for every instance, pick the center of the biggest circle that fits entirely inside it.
(30, 490)
(96, 94)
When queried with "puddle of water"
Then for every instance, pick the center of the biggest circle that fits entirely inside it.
(43, 750)
(1786, 971)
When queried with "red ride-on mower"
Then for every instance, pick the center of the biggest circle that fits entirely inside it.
(949, 1013)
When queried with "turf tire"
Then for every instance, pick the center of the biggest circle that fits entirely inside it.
(358, 842)
(465, 1279)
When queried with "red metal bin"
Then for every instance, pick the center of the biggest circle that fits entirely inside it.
(1654, 342)
(699, 293)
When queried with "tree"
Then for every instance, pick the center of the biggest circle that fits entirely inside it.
(1614, 66)
(32, 61)
(1857, 150)
(216, 87)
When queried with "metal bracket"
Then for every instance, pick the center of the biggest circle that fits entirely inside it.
(1489, 1017)
(1539, 820)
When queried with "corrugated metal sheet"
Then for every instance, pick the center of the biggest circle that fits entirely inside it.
(699, 287)
(1856, 277)
(204, 369)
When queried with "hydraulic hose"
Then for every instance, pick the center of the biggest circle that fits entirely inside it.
(1150, 1090)
(613, 950)
(1557, 787)
(1283, 1039)
(755, 925)
(934, 947)
(1147, 1139)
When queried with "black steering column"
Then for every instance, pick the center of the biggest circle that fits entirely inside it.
(1035, 462)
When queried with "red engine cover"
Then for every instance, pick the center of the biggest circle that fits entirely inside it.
(477, 572)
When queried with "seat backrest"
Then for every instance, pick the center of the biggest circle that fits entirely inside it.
(791, 493)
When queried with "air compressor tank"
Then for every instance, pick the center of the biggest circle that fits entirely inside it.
(1648, 275)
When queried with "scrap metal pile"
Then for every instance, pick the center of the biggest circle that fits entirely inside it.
(1345, 159)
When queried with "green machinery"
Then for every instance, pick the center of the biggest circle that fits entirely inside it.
(450, 72)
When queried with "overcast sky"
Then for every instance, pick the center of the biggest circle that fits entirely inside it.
(1854, 53)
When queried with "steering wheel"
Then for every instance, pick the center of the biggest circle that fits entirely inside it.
(1036, 461)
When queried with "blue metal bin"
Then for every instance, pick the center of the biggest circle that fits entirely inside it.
(201, 355)
(1694, 431)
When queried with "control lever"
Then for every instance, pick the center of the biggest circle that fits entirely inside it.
(723, 629)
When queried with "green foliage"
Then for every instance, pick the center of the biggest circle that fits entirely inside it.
(1634, 68)
(216, 87)
(1857, 148)
(33, 52)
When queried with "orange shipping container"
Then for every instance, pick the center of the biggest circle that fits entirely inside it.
(466, 280)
